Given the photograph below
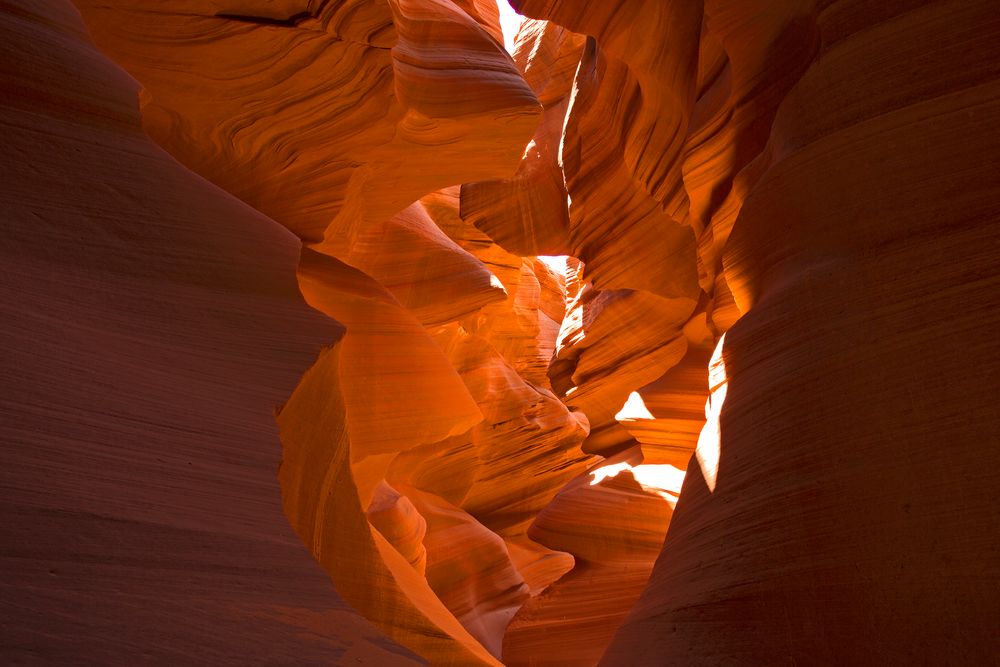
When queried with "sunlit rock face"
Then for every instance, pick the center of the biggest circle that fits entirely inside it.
(750, 422)
(861, 366)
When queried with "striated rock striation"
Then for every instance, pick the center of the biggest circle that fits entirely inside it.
(861, 260)
(151, 322)
(323, 118)
(666, 339)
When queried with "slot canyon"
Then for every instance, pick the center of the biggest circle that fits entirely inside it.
(424, 332)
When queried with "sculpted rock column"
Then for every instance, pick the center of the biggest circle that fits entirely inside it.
(852, 517)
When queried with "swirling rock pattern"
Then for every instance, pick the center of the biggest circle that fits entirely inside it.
(751, 422)
(527, 213)
(613, 524)
(861, 192)
(310, 118)
(151, 322)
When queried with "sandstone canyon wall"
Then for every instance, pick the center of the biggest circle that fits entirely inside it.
(150, 324)
(288, 378)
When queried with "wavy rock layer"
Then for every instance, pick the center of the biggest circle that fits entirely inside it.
(861, 258)
(151, 322)
(780, 226)
(323, 120)
(613, 524)
(712, 150)
(441, 374)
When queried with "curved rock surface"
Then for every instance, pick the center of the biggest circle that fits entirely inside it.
(322, 119)
(744, 417)
(831, 431)
(612, 520)
(527, 213)
(151, 322)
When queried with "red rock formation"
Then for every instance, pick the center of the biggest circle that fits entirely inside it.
(613, 524)
(780, 223)
(257, 103)
(850, 519)
(527, 213)
(151, 322)
(470, 570)
(613, 342)
(327, 509)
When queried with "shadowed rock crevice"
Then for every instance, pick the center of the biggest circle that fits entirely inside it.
(290, 22)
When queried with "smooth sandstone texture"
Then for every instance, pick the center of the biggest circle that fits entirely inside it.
(851, 518)
(327, 510)
(151, 324)
(527, 213)
(772, 81)
(326, 117)
(326, 120)
(614, 528)
(780, 218)
(380, 264)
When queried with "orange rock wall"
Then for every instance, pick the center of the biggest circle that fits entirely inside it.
(849, 519)
(150, 324)
(780, 223)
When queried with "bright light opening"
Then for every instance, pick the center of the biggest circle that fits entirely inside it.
(709, 445)
(556, 263)
(661, 480)
(510, 23)
(495, 282)
(634, 408)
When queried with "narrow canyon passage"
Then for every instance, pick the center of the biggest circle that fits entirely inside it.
(667, 338)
